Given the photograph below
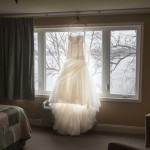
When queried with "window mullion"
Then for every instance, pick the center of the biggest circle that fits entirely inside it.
(44, 61)
(106, 61)
(138, 63)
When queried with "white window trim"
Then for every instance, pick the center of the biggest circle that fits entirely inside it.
(106, 50)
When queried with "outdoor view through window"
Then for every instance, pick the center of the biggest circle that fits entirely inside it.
(111, 54)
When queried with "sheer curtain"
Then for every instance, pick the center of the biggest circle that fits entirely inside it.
(16, 58)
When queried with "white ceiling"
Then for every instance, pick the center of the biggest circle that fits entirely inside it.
(43, 6)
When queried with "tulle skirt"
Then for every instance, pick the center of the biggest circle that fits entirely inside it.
(74, 101)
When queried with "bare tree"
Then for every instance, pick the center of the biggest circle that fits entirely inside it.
(122, 46)
(95, 51)
(123, 52)
(55, 51)
(36, 59)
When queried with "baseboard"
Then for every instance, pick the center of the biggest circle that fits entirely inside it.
(119, 129)
(103, 127)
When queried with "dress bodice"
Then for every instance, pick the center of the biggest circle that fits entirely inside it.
(75, 47)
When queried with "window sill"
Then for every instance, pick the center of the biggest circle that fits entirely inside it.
(102, 99)
(124, 100)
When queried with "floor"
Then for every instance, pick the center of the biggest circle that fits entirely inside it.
(47, 139)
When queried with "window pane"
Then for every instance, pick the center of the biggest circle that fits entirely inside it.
(56, 46)
(36, 61)
(123, 62)
(93, 47)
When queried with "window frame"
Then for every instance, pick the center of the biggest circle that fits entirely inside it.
(106, 30)
(106, 65)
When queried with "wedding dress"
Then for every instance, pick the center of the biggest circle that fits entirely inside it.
(74, 101)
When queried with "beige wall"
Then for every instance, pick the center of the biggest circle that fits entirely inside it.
(119, 113)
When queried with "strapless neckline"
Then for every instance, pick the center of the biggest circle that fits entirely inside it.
(75, 37)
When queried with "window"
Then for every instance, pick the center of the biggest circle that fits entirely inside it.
(112, 54)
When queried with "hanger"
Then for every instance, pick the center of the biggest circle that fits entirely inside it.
(77, 21)
(16, 1)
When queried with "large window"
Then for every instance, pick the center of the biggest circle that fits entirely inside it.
(112, 54)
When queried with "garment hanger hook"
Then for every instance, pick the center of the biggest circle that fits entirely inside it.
(16, 1)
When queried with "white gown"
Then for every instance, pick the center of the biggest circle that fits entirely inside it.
(74, 101)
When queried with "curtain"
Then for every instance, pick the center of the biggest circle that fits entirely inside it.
(16, 59)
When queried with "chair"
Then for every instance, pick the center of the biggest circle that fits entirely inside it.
(47, 118)
(147, 130)
(119, 146)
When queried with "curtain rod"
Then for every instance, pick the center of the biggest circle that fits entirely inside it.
(80, 13)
